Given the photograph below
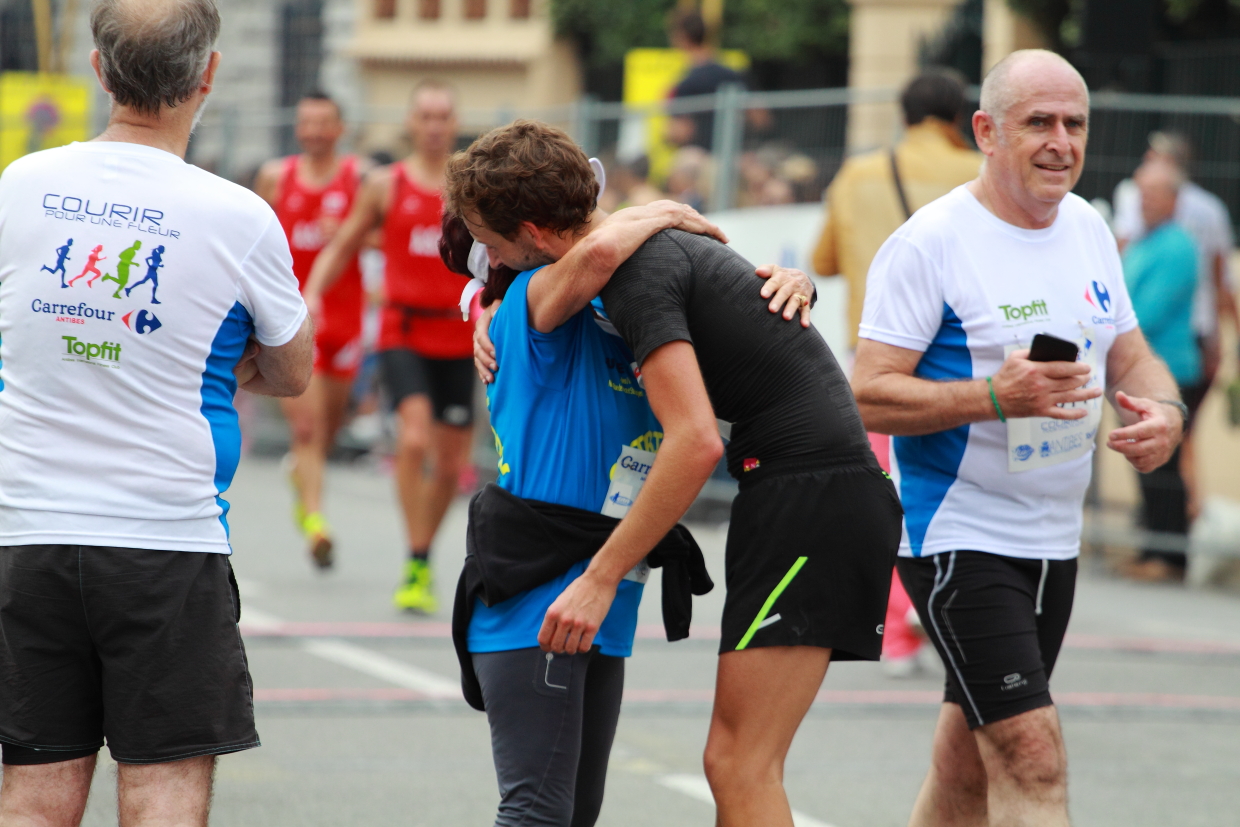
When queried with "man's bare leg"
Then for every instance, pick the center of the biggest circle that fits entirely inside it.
(1026, 770)
(954, 792)
(46, 795)
(761, 695)
(308, 438)
(171, 794)
(449, 451)
(413, 441)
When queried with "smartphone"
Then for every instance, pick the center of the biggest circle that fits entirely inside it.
(1048, 348)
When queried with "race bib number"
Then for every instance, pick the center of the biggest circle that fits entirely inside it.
(1040, 442)
(627, 479)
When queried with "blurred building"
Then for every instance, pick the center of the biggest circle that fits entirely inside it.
(500, 54)
(888, 39)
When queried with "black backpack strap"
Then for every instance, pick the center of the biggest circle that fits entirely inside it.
(895, 176)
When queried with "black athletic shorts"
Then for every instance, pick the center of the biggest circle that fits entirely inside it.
(809, 558)
(448, 382)
(134, 646)
(998, 623)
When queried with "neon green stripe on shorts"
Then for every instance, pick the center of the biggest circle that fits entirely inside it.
(770, 601)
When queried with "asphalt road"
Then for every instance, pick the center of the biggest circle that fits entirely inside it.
(361, 721)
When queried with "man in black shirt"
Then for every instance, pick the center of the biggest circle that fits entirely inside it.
(705, 76)
(816, 524)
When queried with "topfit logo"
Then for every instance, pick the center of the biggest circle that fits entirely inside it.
(1024, 312)
(106, 352)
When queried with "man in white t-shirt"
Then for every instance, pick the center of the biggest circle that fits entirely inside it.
(118, 436)
(992, 450)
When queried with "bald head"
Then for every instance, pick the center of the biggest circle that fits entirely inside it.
(1025, 74)
(153, 53)
(1159, 182)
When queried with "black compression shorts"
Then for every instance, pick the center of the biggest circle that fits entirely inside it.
(809, 559)
(998, 623)
(448, 382)
(133, 645)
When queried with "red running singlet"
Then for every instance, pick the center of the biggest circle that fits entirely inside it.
(422, 307)
(301, 209)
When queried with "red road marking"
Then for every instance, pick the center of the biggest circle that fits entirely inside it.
(862, 697)
(424, 630)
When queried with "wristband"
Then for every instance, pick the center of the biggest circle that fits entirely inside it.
(1179, 406)
(990, 384)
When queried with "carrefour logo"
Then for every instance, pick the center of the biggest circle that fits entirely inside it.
(1098, 295)
(1024, 312)
(77, 350)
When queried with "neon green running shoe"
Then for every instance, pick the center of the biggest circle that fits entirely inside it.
(416, 594)
(319, 540)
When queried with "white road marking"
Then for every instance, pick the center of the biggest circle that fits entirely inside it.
(384, 668)
(366, 661)
(695, 786)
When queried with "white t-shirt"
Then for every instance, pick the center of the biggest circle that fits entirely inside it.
(117, 425)
(1204, 215)
(966, 288)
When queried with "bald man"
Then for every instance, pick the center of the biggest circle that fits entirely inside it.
(993, 445)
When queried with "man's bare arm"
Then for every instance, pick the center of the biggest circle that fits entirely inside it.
(267, 182)
(367, 213)
(688, 454)
(894, 401)
(278, 371)
(1138, 385)
(559, 291)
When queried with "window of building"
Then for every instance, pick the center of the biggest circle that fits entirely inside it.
(475, 9)
(385, 9)
(428, 9)
(519, 9)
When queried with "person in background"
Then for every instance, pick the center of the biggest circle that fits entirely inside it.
(1160, 269)
(866, 202)
(629, 185)
(870, 197)
(1204, 215)
(424, 346)
(706, 74)
(312, 193)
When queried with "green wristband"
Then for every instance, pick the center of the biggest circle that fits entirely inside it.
(991, 384)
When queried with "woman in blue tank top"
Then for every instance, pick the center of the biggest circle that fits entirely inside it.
(572, 427)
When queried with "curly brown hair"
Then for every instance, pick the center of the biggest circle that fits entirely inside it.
(526, 171)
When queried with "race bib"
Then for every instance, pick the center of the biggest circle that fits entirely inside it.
(627, 479)
(1040, 442)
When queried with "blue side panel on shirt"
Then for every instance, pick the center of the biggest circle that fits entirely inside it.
(219, 386)
(929, 463)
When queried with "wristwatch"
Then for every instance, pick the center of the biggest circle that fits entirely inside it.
(1181, 407)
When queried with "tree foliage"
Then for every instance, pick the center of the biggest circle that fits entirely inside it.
(791, 30)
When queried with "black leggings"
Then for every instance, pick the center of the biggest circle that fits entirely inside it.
(553, 719)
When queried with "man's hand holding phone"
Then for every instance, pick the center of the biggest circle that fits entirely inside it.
(1030, 385)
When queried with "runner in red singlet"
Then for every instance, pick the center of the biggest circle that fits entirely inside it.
(312, 194)
(424, 347)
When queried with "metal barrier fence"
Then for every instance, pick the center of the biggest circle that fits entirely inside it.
(764, 147)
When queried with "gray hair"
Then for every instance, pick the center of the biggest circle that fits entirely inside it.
(998, 96)
(152, 53)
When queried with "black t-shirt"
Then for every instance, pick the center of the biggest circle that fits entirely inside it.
(705, 80)
(777, 382)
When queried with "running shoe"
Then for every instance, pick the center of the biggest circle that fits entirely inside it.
(416, 593)
(318, 536)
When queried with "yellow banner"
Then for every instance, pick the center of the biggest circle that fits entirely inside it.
(40, 111)
(649, 76)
